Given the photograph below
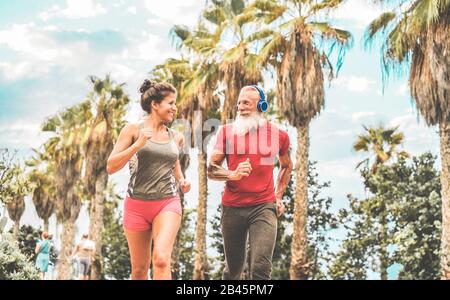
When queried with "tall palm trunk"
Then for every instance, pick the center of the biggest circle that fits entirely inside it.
(184, 163)
(200, 262)
(46, 225)
(96, 223)
(175, 259)
(16, 229)
(384, 258)
(445, 182)
(299, 260)
(68, 204)
(64, 266)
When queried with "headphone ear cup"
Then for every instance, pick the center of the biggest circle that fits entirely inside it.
(263, 106)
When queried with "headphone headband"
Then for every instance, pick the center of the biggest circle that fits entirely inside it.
(262, 95)
(263, 105)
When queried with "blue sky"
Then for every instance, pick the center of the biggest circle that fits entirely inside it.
(48, 49)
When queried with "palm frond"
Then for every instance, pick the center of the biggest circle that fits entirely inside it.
(323, 5)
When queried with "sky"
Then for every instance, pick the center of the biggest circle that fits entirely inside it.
(48, 49)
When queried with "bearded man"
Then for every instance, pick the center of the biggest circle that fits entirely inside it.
(250, 203)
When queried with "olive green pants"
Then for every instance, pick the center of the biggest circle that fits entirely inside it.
(256, 225)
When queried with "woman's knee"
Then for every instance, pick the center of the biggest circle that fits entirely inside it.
(139, 270)
(161, 261)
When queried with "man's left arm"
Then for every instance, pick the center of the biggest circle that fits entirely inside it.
(284, 176)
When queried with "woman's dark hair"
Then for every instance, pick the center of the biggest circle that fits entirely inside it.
(153, 91)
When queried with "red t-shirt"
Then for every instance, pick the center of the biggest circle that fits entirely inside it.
(261, 146)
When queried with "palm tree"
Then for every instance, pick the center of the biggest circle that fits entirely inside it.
(8, 170)
(110, 103)
(15, 208)
(296, 47)
(415, 36)
(64, 149)
(235, 49)
(15, 203)
(381, 143)
(43, 194)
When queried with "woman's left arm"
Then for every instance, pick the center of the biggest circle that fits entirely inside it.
(38, 248)
(184, 184)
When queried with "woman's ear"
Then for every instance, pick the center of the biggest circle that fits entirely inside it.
(154, 105)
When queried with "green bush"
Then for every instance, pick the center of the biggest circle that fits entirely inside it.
(14, 265)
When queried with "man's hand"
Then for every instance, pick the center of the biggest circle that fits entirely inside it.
(243, 170)
(280, 207)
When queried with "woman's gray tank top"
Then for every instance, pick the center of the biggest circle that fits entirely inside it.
(151, 170)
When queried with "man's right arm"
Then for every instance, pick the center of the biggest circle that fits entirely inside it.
(215, 169)
(217, 172)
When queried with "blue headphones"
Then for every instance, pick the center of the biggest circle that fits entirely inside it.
(263, 105)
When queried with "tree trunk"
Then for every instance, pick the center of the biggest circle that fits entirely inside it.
(175, 269)
(46, 225)
(175, 259)
(16, 230)
(384, 256)
(299, 261)
(200, 261)
(445, 182)
(64, 264)
(96, 224)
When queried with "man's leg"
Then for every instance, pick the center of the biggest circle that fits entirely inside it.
(262, 237)
(234, 233)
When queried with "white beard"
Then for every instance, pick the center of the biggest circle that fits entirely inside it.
(244, 124)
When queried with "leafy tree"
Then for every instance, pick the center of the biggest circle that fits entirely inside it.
(410, 191)
(186, 246)
(14, 265)
(414, 36)
(115, 252)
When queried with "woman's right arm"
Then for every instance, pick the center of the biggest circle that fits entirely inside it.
(124, 148)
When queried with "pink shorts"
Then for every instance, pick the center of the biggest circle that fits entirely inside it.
(139, 214)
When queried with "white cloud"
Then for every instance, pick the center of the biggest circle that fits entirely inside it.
(38, 52)
(152, 47)
(132, 10)
(15, 71)
(34, 42)
(355, 84)
(119, 3)
(122, 73)
(419, 138)
(360, 115)
(176, 12)
(341, 133)
(75, 9)
(21, 134)
(358, 12)
(403, 89)
(340, 168)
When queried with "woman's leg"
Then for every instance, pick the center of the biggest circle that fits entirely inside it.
(42, 275)
(139, 243)
(165, 229)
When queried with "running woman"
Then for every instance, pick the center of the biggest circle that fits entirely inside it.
(152, 209)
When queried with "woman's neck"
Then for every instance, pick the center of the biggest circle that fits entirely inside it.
(154, 123)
